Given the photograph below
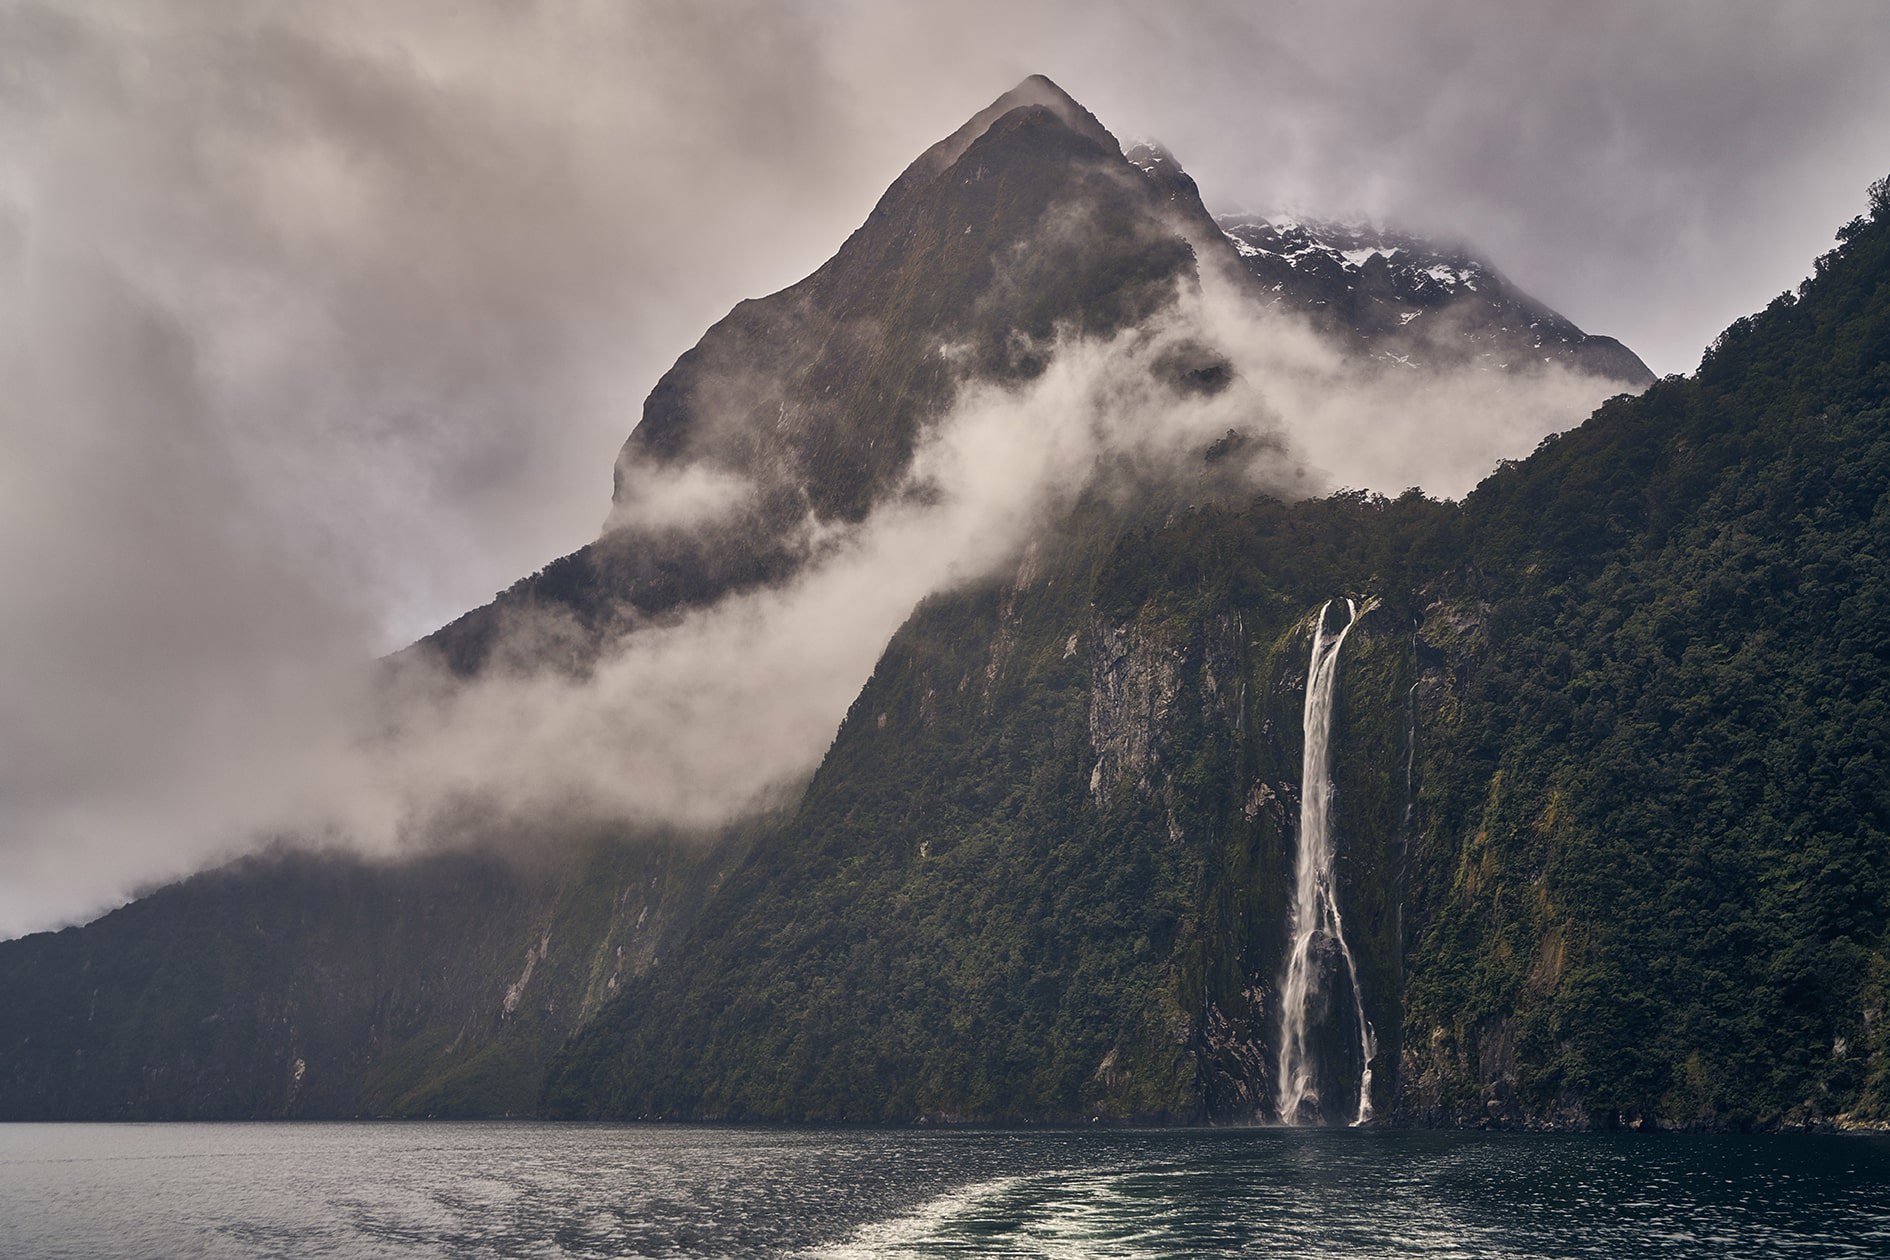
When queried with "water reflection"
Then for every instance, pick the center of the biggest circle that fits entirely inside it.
(553, 1190)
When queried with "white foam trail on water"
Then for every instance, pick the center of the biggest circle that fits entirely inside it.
(1315, 910)
(923, 1225)
(1067, 1214)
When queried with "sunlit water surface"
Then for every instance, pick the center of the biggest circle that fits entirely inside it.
(558, 1190)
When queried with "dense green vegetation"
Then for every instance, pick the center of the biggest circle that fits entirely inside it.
(1643, 872)
(1660, 827)
(932, 936)
(981, 910)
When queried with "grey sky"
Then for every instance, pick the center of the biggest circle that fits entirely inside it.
(322, 323)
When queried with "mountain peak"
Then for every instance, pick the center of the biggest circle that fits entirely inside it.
(1036, 90)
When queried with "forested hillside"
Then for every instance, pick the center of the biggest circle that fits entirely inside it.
(1612, 802)
(320, 985)
(1653, 878)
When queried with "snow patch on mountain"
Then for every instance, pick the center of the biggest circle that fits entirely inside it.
(1401, 299)
(1314, 245)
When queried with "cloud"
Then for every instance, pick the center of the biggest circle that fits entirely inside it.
(689, 497)
(696, 720)
(319, 325)
(1381, 425)
(428, 258)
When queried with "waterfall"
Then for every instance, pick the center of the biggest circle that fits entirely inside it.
(1315, 913)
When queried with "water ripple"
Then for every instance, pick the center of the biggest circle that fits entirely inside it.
(530, 1190)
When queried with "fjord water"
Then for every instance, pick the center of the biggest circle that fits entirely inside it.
(519, 1189)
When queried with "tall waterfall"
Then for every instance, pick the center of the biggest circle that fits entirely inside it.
(1315, 916)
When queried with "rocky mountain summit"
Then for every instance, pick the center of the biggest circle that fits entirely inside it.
(1404, 300)
(800, 411)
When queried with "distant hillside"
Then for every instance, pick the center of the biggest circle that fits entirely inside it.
(311, 985)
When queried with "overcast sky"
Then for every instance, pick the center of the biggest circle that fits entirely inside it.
(320, 323)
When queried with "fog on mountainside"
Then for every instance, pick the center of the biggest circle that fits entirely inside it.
(693, 719)
(770, 534)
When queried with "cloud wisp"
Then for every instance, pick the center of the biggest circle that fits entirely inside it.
(691, 722)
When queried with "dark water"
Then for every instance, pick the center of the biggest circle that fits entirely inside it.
(549, 1190)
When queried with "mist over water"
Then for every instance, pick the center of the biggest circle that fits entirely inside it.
(427, 1189)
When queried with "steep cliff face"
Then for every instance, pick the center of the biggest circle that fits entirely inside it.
(1054, 833)
(941, 930)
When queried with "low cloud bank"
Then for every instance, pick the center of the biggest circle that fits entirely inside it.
(1384, 426)
(693, 721)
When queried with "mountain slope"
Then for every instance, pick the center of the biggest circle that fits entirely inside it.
(801, 410)
(1657, 879)
(1610, 780)
(1042, 873)
(302, 985)
(798, 412)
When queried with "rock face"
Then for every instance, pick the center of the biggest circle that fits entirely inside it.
(1407, 302)
(801, 410)
(1132, 690)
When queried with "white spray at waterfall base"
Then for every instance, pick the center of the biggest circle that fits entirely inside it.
(1315, 911)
